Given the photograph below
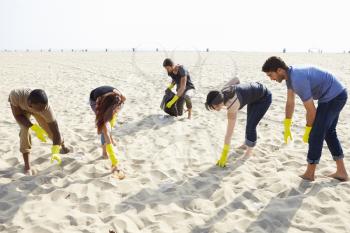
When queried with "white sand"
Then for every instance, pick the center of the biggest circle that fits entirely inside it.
(172, 183)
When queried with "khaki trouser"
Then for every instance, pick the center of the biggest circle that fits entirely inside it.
(25, 137)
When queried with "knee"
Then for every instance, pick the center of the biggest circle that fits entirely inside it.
(188, 102)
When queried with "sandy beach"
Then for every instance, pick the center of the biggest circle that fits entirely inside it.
(172, 183)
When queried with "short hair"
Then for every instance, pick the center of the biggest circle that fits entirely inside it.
(168, 62)
(38, 96)
(213, 98)
(273, 63)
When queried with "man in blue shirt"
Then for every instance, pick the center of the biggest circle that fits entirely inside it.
(311, 83)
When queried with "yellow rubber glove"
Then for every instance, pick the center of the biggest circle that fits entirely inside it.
(171, 102)
(112, 156)
(287, 130)
(40, 133)
(171, 85)
(114, 120)
(306, 134)
(55, 150)
(223, 159)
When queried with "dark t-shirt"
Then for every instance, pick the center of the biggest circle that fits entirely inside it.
(177, 78)
(100, 91)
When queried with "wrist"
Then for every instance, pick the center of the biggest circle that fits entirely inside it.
(308, 128)
(287, 122)
(55, 149)
(226, 147)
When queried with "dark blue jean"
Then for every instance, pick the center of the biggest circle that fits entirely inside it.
(255, 112)
(324, 128)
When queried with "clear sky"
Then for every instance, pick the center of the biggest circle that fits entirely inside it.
(240, 25)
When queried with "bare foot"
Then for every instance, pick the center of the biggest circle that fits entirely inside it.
(30, 172)
(248, 152)
(243, 147)
(104, 156)
(339, 176)
(307, 177)
(119, 174)
(240, 150)
(64, 150)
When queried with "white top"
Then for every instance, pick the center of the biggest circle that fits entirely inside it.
(232, 104)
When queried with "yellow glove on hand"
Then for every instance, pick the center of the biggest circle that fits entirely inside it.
(287, 131)
(55, 150)
(306, 134)
(171, 102)
(112, 157)
(171, 85)
(40, 133)
(223, 159)
(114, 120)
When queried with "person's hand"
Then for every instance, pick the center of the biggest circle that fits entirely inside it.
(287, 130)
(223, 159)
(307, 134)
(172, 101)
(111, 153)
(114, 120)
(55, 150)
(171, 85)
(40, 133)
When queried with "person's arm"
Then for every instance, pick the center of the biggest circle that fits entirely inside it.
(290, 104)
(231, 121)
(109, 146)
(106, 134)
(171, 85)
(56, 136)
(56, 142)
(182, 88)
(310, 118)
(179, 93)
(310, 112)
(20, 117)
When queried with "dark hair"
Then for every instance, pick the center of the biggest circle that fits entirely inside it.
(38, 96)
(168, 62)
(105, 108)
(214, 98)
(273, 63)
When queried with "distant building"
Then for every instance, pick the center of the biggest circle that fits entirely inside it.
(207, 50)
(133, 49)
(284, 50)
(106, 50)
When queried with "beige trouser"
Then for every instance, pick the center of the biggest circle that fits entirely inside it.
(25, 137)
